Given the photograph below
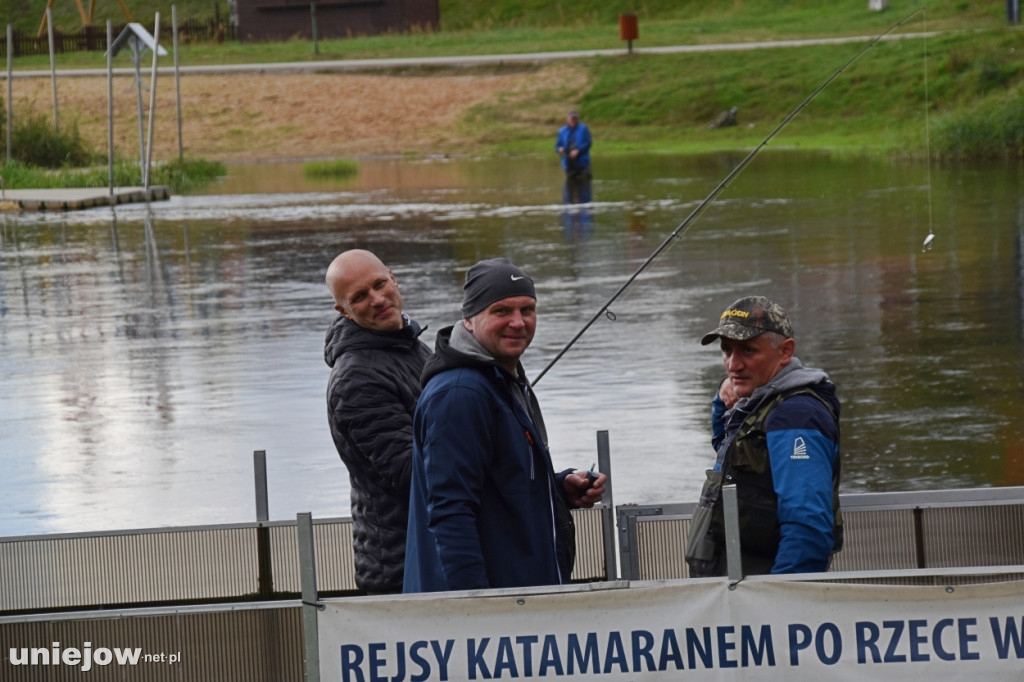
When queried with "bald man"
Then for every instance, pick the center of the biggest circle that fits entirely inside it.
(376, 357)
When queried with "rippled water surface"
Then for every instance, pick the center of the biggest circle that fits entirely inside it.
(146, 351)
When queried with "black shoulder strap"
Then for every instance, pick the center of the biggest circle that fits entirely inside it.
(760, 415)
(756, 419)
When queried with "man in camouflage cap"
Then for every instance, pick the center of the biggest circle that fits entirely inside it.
(775, 427)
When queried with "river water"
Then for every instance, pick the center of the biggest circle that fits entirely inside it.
(147, 351)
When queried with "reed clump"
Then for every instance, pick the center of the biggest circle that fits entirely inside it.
(330, 169)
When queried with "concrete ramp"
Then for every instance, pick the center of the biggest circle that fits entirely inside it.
(74, 198)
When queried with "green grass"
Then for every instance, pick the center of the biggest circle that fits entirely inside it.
(34, 139)
(180, 176)
(983, 130)
(767, 18)
(881, 103)
(26, 15)
(48, 158)
(330, 170)
(471, 27)
(962, 80)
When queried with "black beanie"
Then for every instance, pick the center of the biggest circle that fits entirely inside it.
(492, 280)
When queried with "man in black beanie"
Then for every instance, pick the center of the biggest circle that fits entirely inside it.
(486, 507)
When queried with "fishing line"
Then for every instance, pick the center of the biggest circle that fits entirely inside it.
(681, 230)
(930, 237)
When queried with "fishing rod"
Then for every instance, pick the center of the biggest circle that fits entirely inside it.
(685, 225)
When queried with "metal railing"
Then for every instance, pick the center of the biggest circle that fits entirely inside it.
(233, 562)
(238, 602)
(189, 565)
(260, 561)
(883, 531)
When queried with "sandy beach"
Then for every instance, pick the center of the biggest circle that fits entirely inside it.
(242, 117)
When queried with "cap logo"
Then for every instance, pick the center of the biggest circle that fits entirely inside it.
(748, 317)
(492, 280)
(732, 312)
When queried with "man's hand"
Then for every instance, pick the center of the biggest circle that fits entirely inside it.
(727, 393)
(580, 492)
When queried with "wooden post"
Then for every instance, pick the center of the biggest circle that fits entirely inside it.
(124, 10)
(86, 18)
(46, 19)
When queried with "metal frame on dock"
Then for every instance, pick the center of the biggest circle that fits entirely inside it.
(260, 561)
(884, 531)
(243, 599)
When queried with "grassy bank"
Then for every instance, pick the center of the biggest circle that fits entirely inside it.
(961, 84)
(180, 176)
(471, 27)
(964, 87)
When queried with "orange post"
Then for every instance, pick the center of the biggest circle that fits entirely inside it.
(628, 28)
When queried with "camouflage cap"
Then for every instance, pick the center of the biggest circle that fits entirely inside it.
(748, 317)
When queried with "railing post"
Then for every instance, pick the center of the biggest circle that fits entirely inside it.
(922, 560)
(310, 604)
(629, 559)
(629, 554)
(732, 532)
(265, 579)
(604, 464)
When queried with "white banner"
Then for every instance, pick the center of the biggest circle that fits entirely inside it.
(699, 629)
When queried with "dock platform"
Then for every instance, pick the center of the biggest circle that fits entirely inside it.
(74, 198)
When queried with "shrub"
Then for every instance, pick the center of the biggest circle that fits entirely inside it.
(333, 169)
(182, 176)
(991, 129)
(35, 142)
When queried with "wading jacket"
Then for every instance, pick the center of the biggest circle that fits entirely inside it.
(574, 138)
(780, 447)
(371, 397)
(485, 502)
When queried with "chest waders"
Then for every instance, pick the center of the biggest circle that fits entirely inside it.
(745, 462)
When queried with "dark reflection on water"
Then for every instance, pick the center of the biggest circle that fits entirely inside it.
(145, 354)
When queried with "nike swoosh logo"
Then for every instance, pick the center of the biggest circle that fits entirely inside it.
(516, 279)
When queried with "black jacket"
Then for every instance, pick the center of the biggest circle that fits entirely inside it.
(371, 397)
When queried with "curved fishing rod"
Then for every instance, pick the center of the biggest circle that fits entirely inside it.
(683, 226)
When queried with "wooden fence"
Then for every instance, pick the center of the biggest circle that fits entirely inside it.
(94, 38)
